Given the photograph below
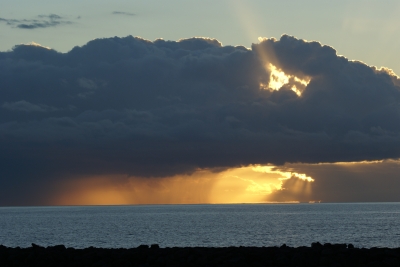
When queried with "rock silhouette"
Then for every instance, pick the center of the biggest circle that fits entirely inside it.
(144, 255)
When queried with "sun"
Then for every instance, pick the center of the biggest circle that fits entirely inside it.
(278, 78)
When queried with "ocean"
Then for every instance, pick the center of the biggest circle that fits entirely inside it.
(361, 224)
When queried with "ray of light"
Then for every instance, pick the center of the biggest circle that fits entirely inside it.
(237, 185)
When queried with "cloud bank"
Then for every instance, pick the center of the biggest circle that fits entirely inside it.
(342, 182)
(153, 109)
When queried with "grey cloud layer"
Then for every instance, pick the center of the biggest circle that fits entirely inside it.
(44, 21)
(128, 105)
(25, 106)
(359, 182)
(123, 13)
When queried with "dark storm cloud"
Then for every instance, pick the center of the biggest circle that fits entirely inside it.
(44, 21)
(354, 182)
(123, 13)
(132, 106)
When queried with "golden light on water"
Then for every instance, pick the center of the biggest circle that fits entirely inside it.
(249, 184)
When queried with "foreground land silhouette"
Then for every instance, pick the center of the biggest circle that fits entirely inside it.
(144, 255)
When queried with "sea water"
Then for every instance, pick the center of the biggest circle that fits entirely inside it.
(362, 224)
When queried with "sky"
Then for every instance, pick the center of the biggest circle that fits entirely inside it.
(365, 30)
(149, 102)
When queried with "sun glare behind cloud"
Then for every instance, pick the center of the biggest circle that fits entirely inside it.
(279, 78)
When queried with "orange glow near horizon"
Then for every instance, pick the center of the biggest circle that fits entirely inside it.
(289, 183)
(249, 184)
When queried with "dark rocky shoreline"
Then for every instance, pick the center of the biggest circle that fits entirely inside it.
(315, 255)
